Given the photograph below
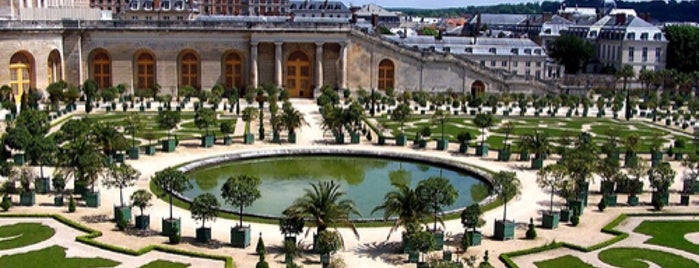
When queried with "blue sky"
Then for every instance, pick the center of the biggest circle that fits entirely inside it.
(436, 3)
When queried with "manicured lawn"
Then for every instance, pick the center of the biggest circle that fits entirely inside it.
(23, 234)
(634, 257)
(566, 261)
(54, 257)
(165, 264)
(670, 234)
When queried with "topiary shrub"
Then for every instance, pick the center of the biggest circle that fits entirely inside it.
(262, 263)
(602, 205)
(175, 238)
(260, 248)
(6, 205)
(71, 204)
(658, 203)
(531, 232)
(575, 220)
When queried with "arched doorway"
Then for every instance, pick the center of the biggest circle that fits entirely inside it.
(233, 68)
(145, 71)
(189, 70)
(298, 75)
(477, 88)
(55, 67)
(21, 75)
(101, 69)
(386, 75)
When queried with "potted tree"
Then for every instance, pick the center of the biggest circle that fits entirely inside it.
(121, 176)
(133, 125)
(241, 191)
(422, 242)
(141, 199)
(423, 137)
(290, 227)
(59, 185)
(471, 218)
(679, 148)
(328, 243)
(437, 192)
(406, 207)
(551, 176)
(400, 113)
(691, 165)
(26, 176)
(632, 144)
(355, 114)
(634, 185)
(661, 177)
(292, 119)
(171, 181)
(483, 121)
(537, 143)
(609, 170)
(506, 185)
(150, 136)
(464, 138)
(441, 117)
(334, 120)
(203, 119)
(227, 128)
(204, 207)
(168, 120)
(504, 154)
(249, 115)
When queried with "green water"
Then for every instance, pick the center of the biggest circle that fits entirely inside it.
(365, 180)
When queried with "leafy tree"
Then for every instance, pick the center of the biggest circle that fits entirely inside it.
(471, 217)
(329, 242)
(537, 143)
(324, 204)
(290, 226)
(132, 125)
(241, 191)
(204, 207)
(551, 176)
(141, 199)
(404, 204)
(682, 48)
(168, 120)
(661, 177)
(506, 185)
(121, 176)
(205, 118)
(171, 180)
(571, 51)
(483, 121)
(441, 117)
(249, 115)
(436, 192)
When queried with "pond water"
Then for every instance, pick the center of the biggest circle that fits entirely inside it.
(365, 180)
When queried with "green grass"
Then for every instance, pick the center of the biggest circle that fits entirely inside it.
(566, 261)
(55, 256)
(670, 234)
(633, 258)
(165, 264)
(23, 234)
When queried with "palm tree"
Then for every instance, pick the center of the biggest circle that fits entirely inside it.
(334, 120)
(404, 204)
(324, 205)
(292, 119)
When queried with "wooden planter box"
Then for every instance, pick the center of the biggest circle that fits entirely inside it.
(474, 237)
(482, 150)
(18, 158)
(227, 140)
(168, 145)
(632, 200)
(576, 206)
(565, 215)
(170, 226)
(276, 137)
(550, 220)
(504, 230)
(524, 156)
(438, 237)
(690, 186)
(240, 236)
(463, 148)
(203, 235)
(125, 213)
(134, 153)
(611, 199)
(422, 144)
(42, 185)
(684, 200)
(27, 198)
(142, 222)
(58, 201)
(119, 157)
(442, 145)
(401, 140)
(150, 149)
(354, 138)
(249, 138)
(92, 199)
(340, 138)
(413, 257)
(504, 154)
(292, 137)
(537, 163)
(207, 141)
(663, 196)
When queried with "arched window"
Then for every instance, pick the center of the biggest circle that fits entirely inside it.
(477, 88)
(189, 70)
(102, 69)
(233, 67)
(21, 74)
(145, 71)
(386, 75)
(55, 72)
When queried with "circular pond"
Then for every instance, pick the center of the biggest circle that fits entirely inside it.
(365, 180)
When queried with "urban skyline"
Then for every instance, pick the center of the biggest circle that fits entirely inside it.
(443, 3)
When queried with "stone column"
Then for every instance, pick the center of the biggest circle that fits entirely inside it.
(253, 64)
(343, 65)
(278, 64)
(319, 64)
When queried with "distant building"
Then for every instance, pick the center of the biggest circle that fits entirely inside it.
(319, 9)
(36, 10)
(504, 25)
(376, 15)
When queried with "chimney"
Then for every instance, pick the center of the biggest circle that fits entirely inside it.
(620, 19)
(374, 20)
(546, 16)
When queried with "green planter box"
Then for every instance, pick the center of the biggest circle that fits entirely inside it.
(10, 117)
(684, 200)
(611, 200)
(168, 145)
(537, 163)
(207, 141)
(401, 140)
(475, 237)
(240, 236)
(446, 255)
(142, 108)
(504, 230)
(171, 226)
(679, 156)
(79, 187)
(227, 140)
(27, 198)
(504, 154)
(438, 237)
(42, 185)
(565, 215)
(249, 138)
(422, 144)
(119, 157)
(663, 196)
(125, 213)
(382, 140)
(576, 206)
(549, 220)
(413, 257)
(524, 156)
(463, 148)
(632, 200)
(150, 149)
(340, 138)
(292, 137)
(276, 137)
(18, 159)
(142, 222)
(482, 150)
(58, 201)
(442, 145)
(148, 105)
(134, 153)
(203, 235)
(108, 108)
(354, 138)
(92, 199)
(656, 158)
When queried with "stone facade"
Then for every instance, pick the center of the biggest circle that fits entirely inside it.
(338, 56)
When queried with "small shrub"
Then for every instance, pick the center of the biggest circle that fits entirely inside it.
(602, 205)
(6, 205)
(175, 238)
(71, 204)
(260, 248)
(531, 232)
(658, 203)
(575, 220)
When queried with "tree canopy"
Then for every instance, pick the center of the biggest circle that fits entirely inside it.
(571, 51)
(241, 191)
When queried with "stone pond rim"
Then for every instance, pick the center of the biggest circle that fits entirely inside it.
(478, 173)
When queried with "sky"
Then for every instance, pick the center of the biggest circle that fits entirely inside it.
(437, 3)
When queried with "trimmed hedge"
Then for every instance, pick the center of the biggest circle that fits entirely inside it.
(88, 239)
(506, 258)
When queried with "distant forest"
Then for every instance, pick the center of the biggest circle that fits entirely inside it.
(659, 10)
